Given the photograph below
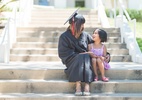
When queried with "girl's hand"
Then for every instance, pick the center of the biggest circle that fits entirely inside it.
(102, 58)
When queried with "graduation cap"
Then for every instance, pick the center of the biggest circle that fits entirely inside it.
(75, 20)
(73, 15)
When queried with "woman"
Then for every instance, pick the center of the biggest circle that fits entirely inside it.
(72, 48)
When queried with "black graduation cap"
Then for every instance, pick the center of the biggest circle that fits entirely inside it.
(73, 15)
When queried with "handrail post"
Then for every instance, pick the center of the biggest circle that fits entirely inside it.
(115, 13)
(134, 28)
(121, 14)
(8, 44)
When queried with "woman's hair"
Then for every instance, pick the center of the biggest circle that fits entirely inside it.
(102, 35)
(78, 21)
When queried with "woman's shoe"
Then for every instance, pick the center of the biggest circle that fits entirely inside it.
(78, 93)
(86, 89)
(96, 79)
(86, 93)
(105, 79)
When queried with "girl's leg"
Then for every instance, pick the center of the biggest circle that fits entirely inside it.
(101, 68)
(94, 63)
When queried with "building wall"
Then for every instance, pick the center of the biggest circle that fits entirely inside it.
(92, 3)
(70, 3)
(60, 3)
(135, 4)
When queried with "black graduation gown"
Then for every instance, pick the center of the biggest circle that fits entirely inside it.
(79, 67)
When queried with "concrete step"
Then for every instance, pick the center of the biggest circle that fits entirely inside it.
(45, 51)
(55, 71)
(63, 86)
(59, 25)
(37, 57)
(90, 29)
(64, 11)
(52, 34)
(54, 17)
(56, 39)
(55, 45)
(71, 96)
(58, 20)
(54, 57)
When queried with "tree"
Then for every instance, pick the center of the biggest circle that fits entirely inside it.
(4, 3)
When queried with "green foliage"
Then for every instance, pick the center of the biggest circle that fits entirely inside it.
(110, 12)
(139, 40)
(134, 14)
(4, 4)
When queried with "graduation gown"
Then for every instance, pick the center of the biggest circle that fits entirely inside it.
(78, 66)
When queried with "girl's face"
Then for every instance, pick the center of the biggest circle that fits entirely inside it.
(96, 36)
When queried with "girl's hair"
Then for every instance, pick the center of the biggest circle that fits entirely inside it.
(102, 35)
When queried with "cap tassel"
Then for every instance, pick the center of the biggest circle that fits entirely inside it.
(73, 26)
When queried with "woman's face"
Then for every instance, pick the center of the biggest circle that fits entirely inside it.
(96, 35)
(82, 27)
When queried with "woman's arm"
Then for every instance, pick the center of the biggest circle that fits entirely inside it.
(106, 55)
(90, 52)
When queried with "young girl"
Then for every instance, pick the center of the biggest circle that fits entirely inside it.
(100, 52)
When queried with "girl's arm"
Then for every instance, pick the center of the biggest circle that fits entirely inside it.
(104, 53)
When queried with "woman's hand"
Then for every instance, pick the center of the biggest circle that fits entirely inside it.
(107, 58)
(102, 58)
(90, 53)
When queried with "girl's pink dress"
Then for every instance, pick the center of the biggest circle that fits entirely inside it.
(99, 52)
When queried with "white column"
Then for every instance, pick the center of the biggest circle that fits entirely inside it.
(90, 4)
(60, 3)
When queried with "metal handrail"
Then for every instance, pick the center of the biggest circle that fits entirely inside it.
(102, 15)
(121, 12)
(25, 7)
(6, 38)
(128, 35)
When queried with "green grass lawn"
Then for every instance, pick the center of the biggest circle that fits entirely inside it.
(138, 31)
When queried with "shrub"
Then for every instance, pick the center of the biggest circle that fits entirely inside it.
(134, 14)
(139, 40)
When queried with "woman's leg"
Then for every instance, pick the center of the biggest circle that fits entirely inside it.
(78, 86)
(86, 89)
(94, 63)
(78, 89)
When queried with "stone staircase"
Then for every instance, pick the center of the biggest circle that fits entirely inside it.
(40, 44)
(38, 41)
(36, 73)
(47, 81)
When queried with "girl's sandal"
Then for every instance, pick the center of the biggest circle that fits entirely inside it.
(96, 79)
(105, 79)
